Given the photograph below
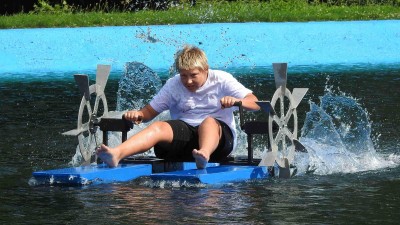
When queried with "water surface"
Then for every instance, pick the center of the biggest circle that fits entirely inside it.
(35, 111)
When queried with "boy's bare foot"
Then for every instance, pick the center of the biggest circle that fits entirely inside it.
(108, 155)
(201, 159)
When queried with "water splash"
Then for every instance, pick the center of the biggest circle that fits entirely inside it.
(146, 36)
(137, 86)
(337, 135)
(168, 184)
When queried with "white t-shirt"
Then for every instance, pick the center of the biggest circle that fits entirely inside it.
(194, 107)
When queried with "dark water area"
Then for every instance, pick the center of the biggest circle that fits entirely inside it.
(35, 111)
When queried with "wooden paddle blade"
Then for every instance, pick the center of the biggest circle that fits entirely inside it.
(299, 147)
(82, 80)
(74, 132)
(280, 74)
(298, 94)
(284, 172)
(102, 73)
(268, 159)
(281, 162)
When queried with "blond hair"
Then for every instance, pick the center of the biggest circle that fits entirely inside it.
(191, 57)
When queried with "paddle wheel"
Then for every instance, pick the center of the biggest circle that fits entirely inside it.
(283, 116)
(93, 116)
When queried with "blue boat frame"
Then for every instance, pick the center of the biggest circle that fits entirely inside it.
(232, 170)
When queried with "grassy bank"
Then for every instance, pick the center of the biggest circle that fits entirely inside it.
(205, 12)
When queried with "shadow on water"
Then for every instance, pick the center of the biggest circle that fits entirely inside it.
(35, 112)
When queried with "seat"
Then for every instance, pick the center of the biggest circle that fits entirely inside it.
(252, 128)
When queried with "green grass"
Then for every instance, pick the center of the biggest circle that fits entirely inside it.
(206, 12)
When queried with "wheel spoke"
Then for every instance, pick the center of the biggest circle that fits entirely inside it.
(288, 115)
(85, 127)
(288, 133)
(281, 99)
(278, 136)
(96, 106)
(89, 108)
(277, 120)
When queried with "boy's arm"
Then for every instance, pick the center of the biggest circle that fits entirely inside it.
(147, 113)
(248, 102)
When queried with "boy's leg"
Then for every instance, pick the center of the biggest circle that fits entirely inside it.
(144, 140)
(209, 137)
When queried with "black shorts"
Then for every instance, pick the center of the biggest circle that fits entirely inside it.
(186, 139)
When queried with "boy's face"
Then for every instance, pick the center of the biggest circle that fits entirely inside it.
(193, 79)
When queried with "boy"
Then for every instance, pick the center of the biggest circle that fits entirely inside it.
(202, 125)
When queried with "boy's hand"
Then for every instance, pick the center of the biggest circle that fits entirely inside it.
(134, 116)
(228, 101)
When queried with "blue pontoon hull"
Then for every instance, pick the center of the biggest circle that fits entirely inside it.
(215, 175)
(92, 174)
(186, 172)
